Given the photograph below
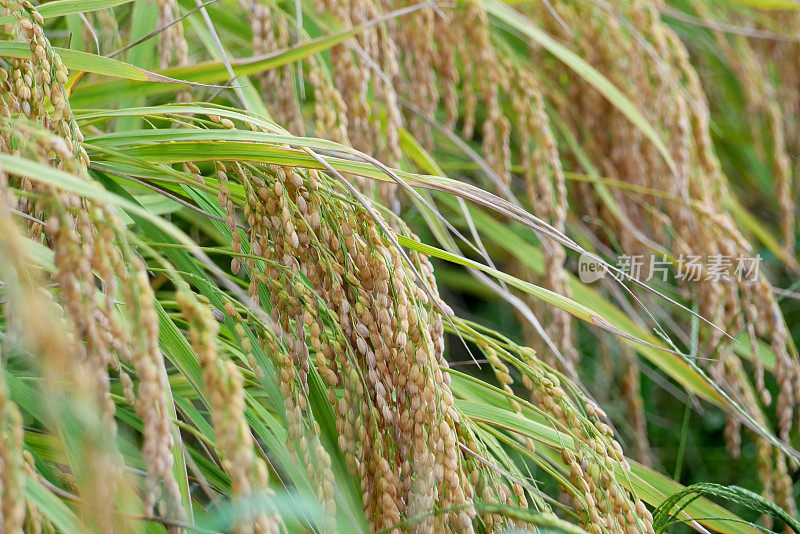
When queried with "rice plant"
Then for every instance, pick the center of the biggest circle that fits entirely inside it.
(396, 266)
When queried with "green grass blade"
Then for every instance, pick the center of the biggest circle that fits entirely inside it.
(60, 8)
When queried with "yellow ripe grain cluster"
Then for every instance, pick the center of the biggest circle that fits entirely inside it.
(207, 319)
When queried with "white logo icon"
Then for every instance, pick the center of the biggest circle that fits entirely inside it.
(589, 269)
